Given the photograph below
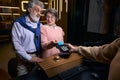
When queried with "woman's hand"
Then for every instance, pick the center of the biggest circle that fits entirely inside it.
(53, 43)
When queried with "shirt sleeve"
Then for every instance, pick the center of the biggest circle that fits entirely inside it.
(96, 53)
(63, 33)
(17, 42)
(104, 53)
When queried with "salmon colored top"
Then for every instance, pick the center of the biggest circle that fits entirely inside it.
(48, 34)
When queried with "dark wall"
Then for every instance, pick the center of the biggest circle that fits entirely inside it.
(77, 20)
(78, 14)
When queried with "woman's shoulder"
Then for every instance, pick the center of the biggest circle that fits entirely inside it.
(59, 27)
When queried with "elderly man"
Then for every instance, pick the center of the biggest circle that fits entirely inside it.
(26, 38)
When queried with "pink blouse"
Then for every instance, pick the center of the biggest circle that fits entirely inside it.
(49, 34)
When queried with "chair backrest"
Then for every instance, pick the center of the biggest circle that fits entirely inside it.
(12, 67)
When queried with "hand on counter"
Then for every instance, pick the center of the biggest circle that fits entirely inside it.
(36, 59)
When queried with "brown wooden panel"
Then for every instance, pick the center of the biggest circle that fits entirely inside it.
(52, 67)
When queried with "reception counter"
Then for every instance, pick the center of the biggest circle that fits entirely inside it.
(54, 65)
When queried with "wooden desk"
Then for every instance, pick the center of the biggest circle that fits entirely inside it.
(53, 67)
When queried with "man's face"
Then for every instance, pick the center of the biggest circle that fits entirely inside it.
(35, 13)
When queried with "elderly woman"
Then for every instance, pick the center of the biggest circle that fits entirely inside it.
(51, 34)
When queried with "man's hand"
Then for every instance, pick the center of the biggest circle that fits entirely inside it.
(36, 59)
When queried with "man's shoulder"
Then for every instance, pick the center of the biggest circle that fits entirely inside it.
(20, 18)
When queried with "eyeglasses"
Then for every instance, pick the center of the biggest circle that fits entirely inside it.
(37, 9)
(52, 17)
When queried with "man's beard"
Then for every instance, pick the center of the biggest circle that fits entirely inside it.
(34, 18)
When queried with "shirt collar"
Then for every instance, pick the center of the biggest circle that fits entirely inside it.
(28, 20)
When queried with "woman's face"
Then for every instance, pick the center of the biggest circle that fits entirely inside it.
(50, 18)
(35, 13)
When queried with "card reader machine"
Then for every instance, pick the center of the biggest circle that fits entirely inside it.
(63, 49)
